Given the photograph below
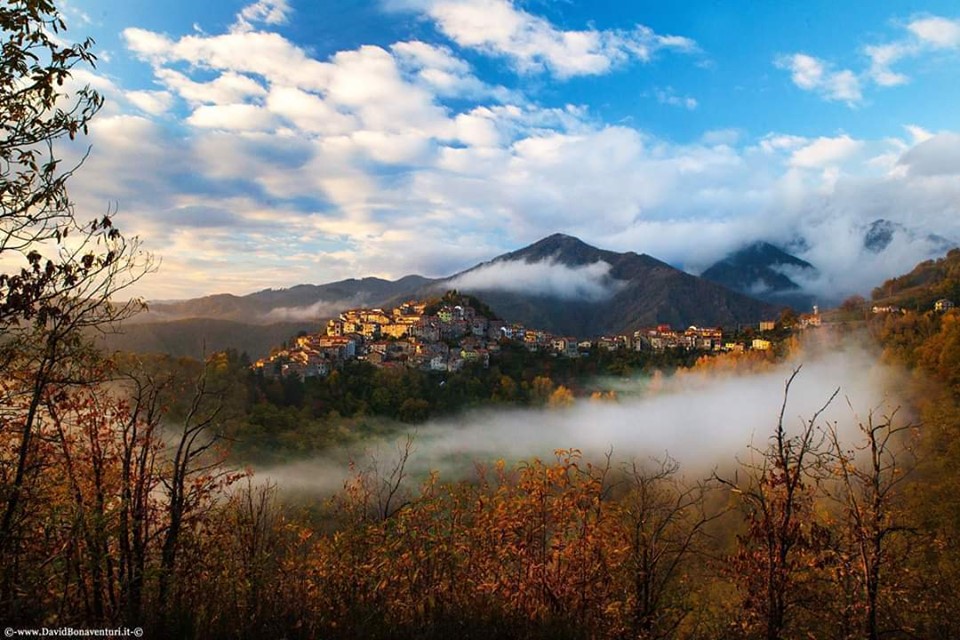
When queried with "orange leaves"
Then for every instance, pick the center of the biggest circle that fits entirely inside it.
(526, 543)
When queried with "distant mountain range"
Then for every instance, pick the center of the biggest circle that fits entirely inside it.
(559, 284)
(296, 304)
(772, 274)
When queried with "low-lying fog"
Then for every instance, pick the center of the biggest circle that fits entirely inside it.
(703, 420)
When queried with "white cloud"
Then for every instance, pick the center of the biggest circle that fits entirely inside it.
(442, 72)
(917, 133)
(937, 32)
(533, 44)
(227, 88)
(309, 112)
(355, 165)
(237, 117)
(153, 102)
(924, 36)
(369, 82)
(774, 143)
(369, 91)
(268, 55)
(937, 155)
(722, 137)
(614, 187)
(265, 12)
(591, 282)
(147, 43)
(824, 152)
(669, 97)
(812, 74)
(319, 309)
(881, 57)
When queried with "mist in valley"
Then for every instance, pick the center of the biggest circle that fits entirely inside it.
(703, 418)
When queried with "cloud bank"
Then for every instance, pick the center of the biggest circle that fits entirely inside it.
(590, 282)
(319, 309)
(704, 421)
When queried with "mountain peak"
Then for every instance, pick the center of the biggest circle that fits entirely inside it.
(559, 247)
(556, 237)
(880, 234)
(561, 241)
(758, 269)
(762, 253)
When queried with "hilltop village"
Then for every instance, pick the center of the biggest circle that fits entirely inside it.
(446, 335)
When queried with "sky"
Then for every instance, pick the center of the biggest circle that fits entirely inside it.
(264, 144)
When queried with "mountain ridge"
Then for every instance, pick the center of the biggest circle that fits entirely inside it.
(632, 291)
(645, 291)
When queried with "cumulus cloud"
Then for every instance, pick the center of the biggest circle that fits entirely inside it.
(933, 156)
(443, 72)
(533, 44)
(613, 187)
(816, 75)
(153, 102)
(237, 117)
(590, 282)
(918, 134)
(823, 152)
(396, 159)
(923, 37)
(265, 12)
(881, 57)
(227, 88)
(936, 32)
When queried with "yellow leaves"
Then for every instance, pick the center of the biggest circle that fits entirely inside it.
(560, 398)
(604, 396)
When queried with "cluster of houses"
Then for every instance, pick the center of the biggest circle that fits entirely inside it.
(940, 306)
(447, 337)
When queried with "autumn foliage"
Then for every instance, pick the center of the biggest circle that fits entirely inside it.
(119, 504)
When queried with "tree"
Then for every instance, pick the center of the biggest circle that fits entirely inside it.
(60, 274)
(869, 478)
(854, 307)
(662, 523)
(777, 551)
(193, 475)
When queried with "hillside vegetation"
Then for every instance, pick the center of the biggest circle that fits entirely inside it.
(925, 284)
(199, 337)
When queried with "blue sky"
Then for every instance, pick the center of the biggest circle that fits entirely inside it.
(273, 142)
